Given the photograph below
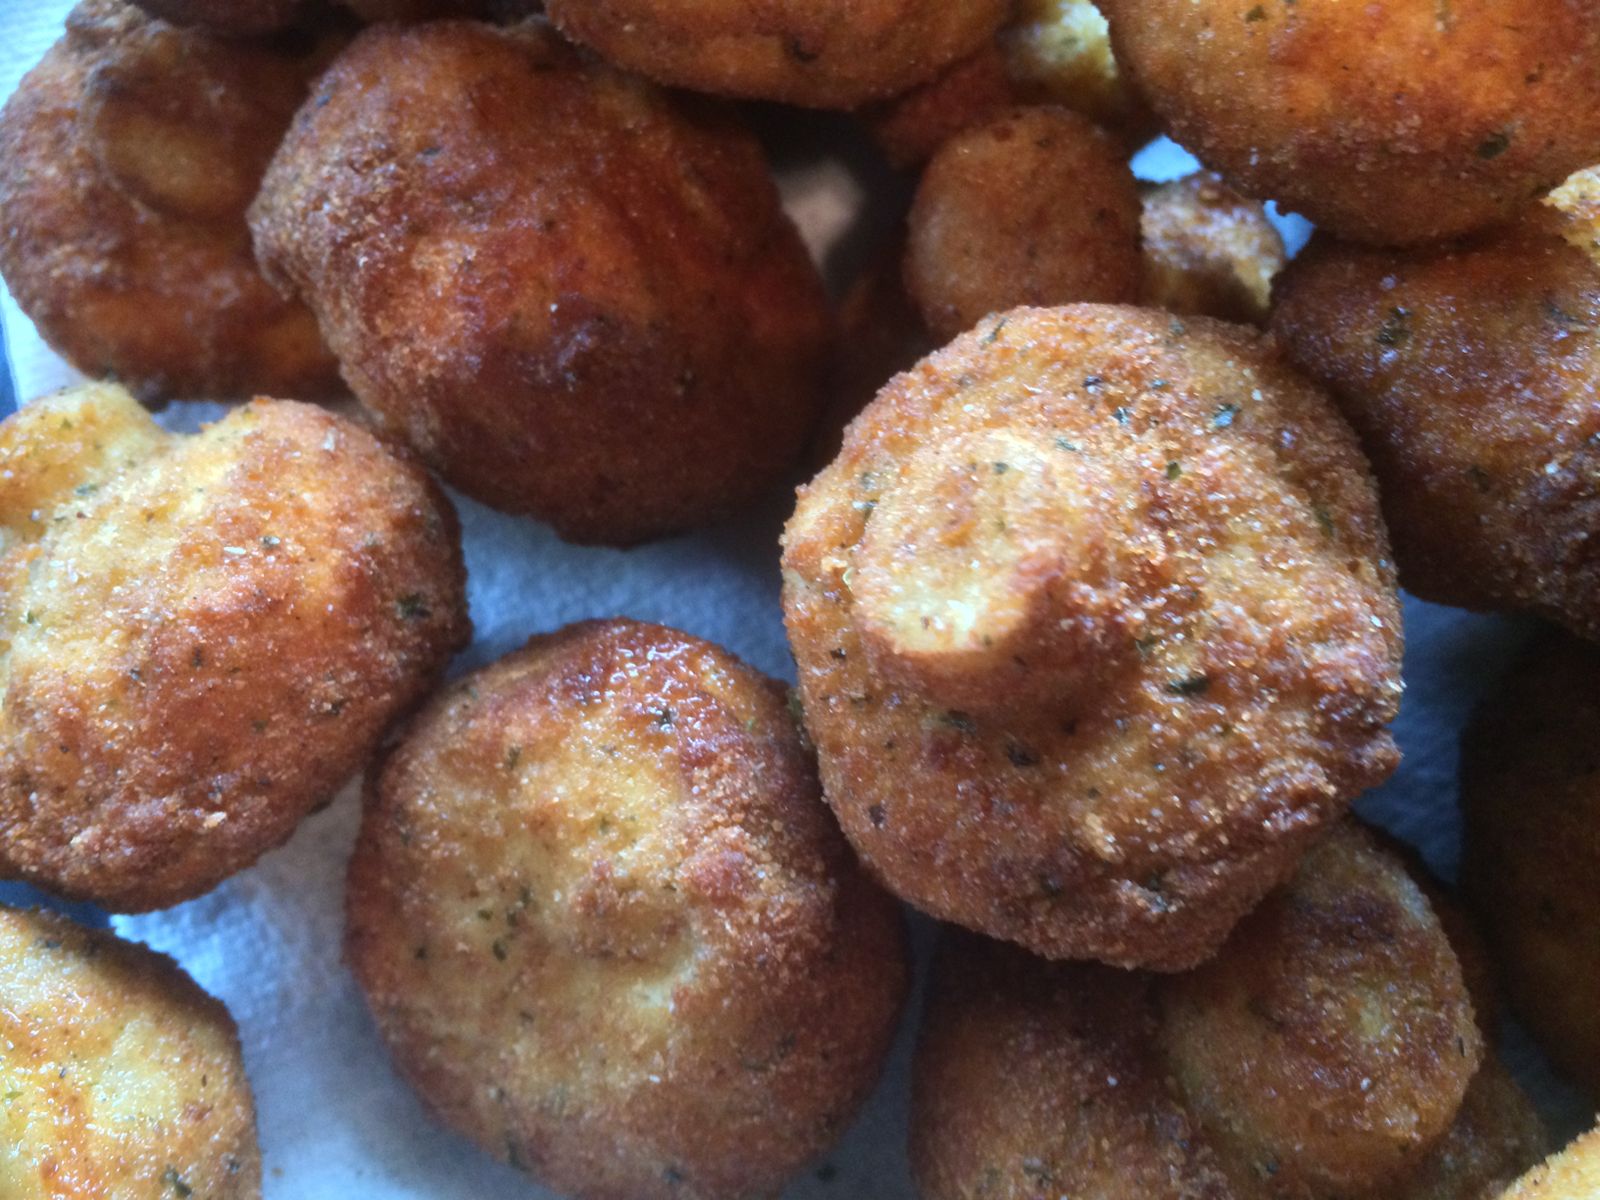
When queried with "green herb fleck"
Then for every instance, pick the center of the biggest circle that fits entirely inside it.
(1258, 13)
(86, 489)
(1194, 685)
(13, 1094)
(960, 720)
(171, 1177)
(796, 709)
(412, 607)
(1494, 145)
(1224, 416)
(1146, 645)
(269, 541)
(665, 717)
(1120, 414)
(1173, 469)
(1001, 468)
(1480, 477)
(499, 949)
(513, 757)
(1063, 444)
(994, 334)
(1325, 520)
(1395, 331)
(31, 617)
(259, 726)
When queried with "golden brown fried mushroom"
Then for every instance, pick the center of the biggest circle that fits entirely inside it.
(816, 53)
(1034, 1078)
(1208, 250)
(127, 158)
(1530, 801)
(204, 636)
(120, 1076)
(578, 298)
(1390, 123)
(1037, 206)
(608, 928)
(1469, 370)
(1329, 1043)
(1095, 628)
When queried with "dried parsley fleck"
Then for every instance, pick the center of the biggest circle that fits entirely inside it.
(1194, 685)
(1224, 416)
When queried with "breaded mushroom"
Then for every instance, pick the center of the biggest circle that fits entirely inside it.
(815, 53)
(120, 1077)
(608, 929)
(575, 295)
(1530, 810)
(1469, 369)
(1391, 123)
(1037, 206)
(127, 159)
(204, 636)
(1095, 628)
(1325, 1054)
(1208, 250)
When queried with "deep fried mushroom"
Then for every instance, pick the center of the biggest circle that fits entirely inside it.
(608, 929)
(204, 636)
(1095, 628)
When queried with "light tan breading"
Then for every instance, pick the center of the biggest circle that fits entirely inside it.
(1328, 1045)
(580, 301)
(1059, 52)
(608, 929)
(1530, 808)
(1469, 370)
(1184, 532)
(816, 53)
(1573, 1174)
(204, 636)
(127, 158)
(120, 1077)
(1208, 250)
(1034, 1078)
(1390, 123)
(1036, 206)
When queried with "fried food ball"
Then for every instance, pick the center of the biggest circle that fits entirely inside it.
(127, 158)
(1530, 807)
(1573, 1174)
(1469, 370)
(608, 929)
(1095, 628)
(1208, 250)
(120, 1076)
(204, 636)
(579, 301)
(1034, 1078)
(1330, 1041)
(829, 54)
(1038, 206)
(1390, 123)
(226, 16)
(911, 127)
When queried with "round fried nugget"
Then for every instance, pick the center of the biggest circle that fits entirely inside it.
(204, 636)
(1330, 1042)
(578, 298)
(827, 54)
(120, 1077)
(1208, 250)
(1469, 370)
(1037, 206)
(1035, 1079)
(1095, 628)
(1388, 123)
(127, 158)
(608, 929)
(1530, 801)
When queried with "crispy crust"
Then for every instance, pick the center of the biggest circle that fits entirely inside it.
(1530, 806)
(206, 635)
(127, 158)
(608, 929)
(121, 1077)
(1035, 206)
(1208, 250)
(1227, 679)
(1573, 1174)
(816, 53)
(1389, 123)
(1469, 371)
(579, 301)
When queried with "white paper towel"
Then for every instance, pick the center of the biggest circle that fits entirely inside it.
(335, 1122)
